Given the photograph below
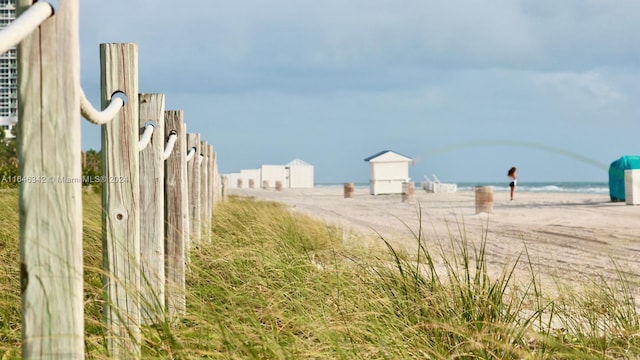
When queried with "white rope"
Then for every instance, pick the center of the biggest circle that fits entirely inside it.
(24, 25)
(200, 159)
(173, 136)
(100, 117)
(146, 135)
(190, 154)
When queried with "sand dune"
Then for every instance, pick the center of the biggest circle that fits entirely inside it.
(568, 236)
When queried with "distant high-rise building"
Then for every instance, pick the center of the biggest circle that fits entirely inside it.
(8, 74)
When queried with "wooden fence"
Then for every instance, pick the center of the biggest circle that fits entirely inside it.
(159, 187)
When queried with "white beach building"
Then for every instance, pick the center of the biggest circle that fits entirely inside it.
(387, 171)
(299, 174)
(271, 174)
(249, 177)
(232, 180)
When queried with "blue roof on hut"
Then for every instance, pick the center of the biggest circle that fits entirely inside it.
(384, 152)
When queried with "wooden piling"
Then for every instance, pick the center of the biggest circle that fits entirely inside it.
(216, 189)
(224, 188)
(204, 192)
(349, 188)
(152, 256)
(176, 216)
(51, 200)
(121, 201)
(212, 185)
(213, 176)
(484, 199)
(408, 191)
(193, 174)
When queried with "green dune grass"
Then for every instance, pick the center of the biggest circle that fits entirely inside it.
(275, 285)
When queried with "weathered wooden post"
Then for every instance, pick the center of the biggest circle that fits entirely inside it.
(215, 179)
(212, 177)
(219, 188)
(121, 201)
(210, 185)
(408, 191)
(152, 257)
(204, 192)
(176, 215)
(51, 206)
(193, 174)
(225, 188)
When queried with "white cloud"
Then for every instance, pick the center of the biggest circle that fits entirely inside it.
(253, 44)
(529, 69)
(586, 87)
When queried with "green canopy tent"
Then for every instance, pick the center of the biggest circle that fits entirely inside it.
(616, 175)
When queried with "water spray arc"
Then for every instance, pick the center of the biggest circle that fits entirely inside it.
(514, 143)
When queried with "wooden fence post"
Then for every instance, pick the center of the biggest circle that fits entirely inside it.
(121, 201)
(204, 192)
(176, 215)
(224, 188)
(213, 179)
(152, 210)
(217, 189)
(50, 196)
(193, 174)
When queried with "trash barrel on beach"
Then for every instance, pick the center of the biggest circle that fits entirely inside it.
(278, 185)
(265, 184)
(408, 191)
(348, 190)
(484, 199)
(252, 183)
(632, 187)
(239, 183)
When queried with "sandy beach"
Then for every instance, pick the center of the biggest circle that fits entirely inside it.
(568, 236)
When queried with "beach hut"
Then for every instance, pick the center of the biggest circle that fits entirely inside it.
(232, 180)
(250, 178)
(387, 171)
(616, 175)
(299, 175)
(272, 173)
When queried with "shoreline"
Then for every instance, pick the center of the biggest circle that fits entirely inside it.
(583, 187)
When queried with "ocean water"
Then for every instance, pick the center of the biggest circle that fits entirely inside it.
(567, 187)
(571, 187)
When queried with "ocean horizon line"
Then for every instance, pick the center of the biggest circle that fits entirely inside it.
(595, 187)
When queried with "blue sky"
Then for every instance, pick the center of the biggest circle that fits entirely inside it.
(466, 88)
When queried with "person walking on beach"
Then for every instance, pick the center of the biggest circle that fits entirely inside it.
(514, 179)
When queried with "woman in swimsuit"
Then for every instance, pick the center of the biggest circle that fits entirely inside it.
(514, 180)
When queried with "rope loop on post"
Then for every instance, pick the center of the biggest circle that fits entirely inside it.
(24, 25)
(55, 5)
(190, 154)
(200, 159)
(118, 99)
(173, 136)
(146, 135)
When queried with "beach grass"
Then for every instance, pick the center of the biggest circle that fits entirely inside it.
(272, 284)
